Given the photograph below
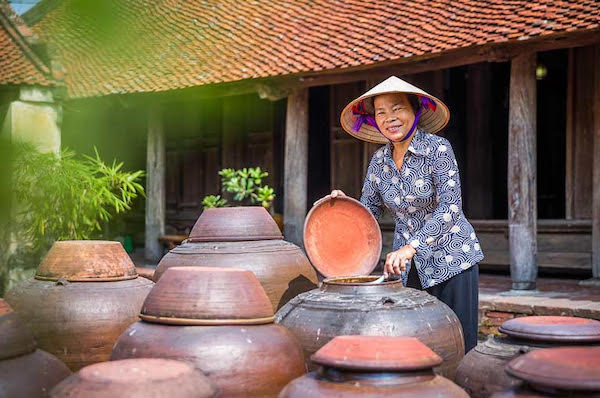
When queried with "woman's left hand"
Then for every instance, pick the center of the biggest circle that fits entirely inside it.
(395, 261)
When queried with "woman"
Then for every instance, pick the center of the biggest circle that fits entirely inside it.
(415, 175)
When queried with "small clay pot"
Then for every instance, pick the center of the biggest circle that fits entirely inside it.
(136, 378)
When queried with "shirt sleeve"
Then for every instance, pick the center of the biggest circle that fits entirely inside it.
(444, 172)
(370, 196)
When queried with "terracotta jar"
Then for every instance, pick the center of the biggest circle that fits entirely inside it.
(24, 370)
(83, 296)
(481, 372)
(572, 372)
(246, 238)
(374, 366)
(342, 237)
(136, 378)
(221, 320)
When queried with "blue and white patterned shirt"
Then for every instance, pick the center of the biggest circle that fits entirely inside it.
(425, 199)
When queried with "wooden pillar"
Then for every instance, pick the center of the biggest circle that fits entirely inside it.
(295, 165)
(596, 171)
(522, 191)
(155, 185)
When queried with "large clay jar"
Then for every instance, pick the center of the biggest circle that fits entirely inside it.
(136, 378)
(83, 296)
(221, 320)
(25, 372)
(369, 366)
(572, 372)
(246, 238)
(481, 372)
(345, 306)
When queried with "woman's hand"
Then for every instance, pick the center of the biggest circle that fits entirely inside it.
(337, 192)
(395, 261)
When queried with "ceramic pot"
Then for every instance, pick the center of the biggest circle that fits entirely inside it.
(25, 371)
(136, 378)
(221, 320)
(481, 372)
(246, 238)
(83, 296)
(373, 366)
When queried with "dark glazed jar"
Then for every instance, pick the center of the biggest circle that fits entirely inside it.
(572, 372)
(221, 320)
(374, 366)
(83, 296)
(481, 372)
(24, 370)
(353, 306)
(136, 378)
(246, 238)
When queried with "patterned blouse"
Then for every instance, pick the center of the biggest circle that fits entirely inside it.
(425, 198)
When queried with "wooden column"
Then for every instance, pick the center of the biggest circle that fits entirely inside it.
(522, 192)
(596, 171)
(155, 185)
(295, 165)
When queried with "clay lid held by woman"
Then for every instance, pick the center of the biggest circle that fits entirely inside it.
(553, 328)
(207, 296)
(135, 378)
(376, 353)
(86, 261)
(342, 238)
(562, 368)
(232, 224)
(15, 337)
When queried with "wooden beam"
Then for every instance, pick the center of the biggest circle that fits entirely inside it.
(522, 190)
(155, 185)
(295, 166)
(596, 170)
(570, 138)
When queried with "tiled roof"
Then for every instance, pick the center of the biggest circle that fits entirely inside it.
(158, 45)
(18, 63)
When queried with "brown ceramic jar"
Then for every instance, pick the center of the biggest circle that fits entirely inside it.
(136, 378)
(246, 238)
(343, 306)
(24, 370)
(572, 372)
(83, 296)
(481, 372)
(221, 320)
(373, 366)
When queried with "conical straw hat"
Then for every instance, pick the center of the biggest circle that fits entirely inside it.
(431, 121)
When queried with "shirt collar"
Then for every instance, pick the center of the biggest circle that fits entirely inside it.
(418, 146)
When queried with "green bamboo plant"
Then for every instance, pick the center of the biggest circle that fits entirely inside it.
(245, 185)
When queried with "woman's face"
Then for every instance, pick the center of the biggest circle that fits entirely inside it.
(394, 115)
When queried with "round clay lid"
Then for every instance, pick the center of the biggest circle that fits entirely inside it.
(232, 224)
(16, 339)
(342, 238)
(381, 353)
(86, 261)
(138, 377)
(553, 328)
(207, 296)
(562, 368)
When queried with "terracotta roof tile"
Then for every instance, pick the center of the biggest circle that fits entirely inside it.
(150, 45)
(18, 63)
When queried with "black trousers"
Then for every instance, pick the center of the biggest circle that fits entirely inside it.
(461, 293)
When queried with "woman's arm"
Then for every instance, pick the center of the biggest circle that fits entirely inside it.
(444, 171)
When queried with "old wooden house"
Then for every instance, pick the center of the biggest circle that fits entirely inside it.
(185, 88)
